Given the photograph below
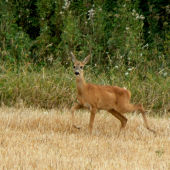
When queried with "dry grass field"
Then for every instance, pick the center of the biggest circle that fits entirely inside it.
(41, 139)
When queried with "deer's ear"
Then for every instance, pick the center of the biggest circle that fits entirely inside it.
(73, 57)
(86, 60)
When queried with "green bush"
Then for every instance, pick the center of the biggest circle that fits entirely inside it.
(128, 42)
(49, 28)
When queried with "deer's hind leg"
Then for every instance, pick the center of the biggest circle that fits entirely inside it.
(141, 110)
(137, 107)
(119, 116)
(75, 107)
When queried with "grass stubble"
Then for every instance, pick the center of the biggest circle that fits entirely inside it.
(44, 139)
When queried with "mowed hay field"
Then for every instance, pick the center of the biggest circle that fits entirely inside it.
(44, 139)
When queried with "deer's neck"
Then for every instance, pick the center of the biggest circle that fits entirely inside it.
(80, 85)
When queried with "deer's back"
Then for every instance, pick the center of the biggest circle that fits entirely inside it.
(103, 97)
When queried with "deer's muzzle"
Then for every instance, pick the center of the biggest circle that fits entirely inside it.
(77, 73)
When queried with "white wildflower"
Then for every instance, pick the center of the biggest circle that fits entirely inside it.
(116, 67)
(137, 17)
(146, 45)
(91, 13)
(142, 17)
(134, 10)
(129, 69)
(66, 5)
(51, 59)
(126, 74)
(165, 74)
(127, 28)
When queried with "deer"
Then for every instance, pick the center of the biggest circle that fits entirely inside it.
(114, 99)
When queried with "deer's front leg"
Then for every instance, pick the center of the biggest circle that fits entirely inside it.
(93, 112)
(75, 107)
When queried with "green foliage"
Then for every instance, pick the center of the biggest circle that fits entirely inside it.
(156, 26)
(55, 87)
(14, 41)
(137, 30)
(128, 40)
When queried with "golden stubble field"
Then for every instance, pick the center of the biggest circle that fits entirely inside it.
(40, 139)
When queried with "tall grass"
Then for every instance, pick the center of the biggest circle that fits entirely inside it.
(55, 86)
(44, 88)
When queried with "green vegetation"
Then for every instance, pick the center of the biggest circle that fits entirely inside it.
(128, 40)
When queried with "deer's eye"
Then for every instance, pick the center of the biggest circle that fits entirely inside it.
(81, 67)
(74, 67)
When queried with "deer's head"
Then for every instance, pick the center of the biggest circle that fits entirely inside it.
(78, 65)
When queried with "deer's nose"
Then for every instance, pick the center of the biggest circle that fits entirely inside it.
(77, 73)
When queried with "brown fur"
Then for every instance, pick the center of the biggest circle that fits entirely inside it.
(111, 98)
